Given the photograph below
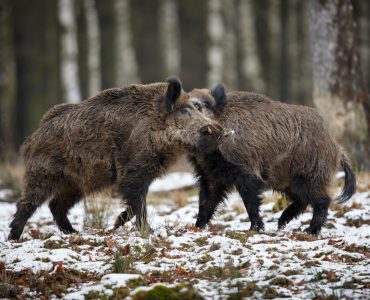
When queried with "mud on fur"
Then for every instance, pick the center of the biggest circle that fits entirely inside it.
(277, 146)
(125, 136)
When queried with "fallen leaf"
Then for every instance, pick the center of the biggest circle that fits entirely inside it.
(35, 233)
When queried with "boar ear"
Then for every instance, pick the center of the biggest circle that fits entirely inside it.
(219, 93)
(173, 92)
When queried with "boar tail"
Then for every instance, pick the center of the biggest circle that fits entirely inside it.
(349, 180)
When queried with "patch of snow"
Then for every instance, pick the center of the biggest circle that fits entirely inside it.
(118, 280)
(6, 194)
(173, 181)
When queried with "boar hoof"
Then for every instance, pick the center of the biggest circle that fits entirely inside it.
(69, 230)
(312, 231)
(200, 224)
(259, 226)
(15, 234)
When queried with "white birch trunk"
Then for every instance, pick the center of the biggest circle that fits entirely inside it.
(251, 64)
(126, 69)
(230, 47)
(169, 36)
(69, 55)
(93, 48)
(215, 55)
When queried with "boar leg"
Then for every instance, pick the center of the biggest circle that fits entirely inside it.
(25, 210)
(320, 212)
(250, 190)
(123, 217)
(211, 194)
(134, 192)
(297, 207)
(36, 192)
(59, 206)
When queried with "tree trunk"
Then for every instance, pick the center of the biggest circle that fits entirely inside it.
(194, 65)
(170, 35)
(127, 69)
(216, 30)
(230, 75)
(69, 54)
(284, 83)
(250, 61)
(93, 48)
(275, 46)
(7, 81)
(339, 90)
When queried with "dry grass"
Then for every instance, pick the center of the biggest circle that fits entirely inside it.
(11, 178)
(363, 181)
(97, 210)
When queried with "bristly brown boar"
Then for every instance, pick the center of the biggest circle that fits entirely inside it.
(275, 145)
(125, 136)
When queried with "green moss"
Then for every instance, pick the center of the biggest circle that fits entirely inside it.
(214, 247)
(240, 236)
(292, 272)
(79, 240)
(274, 267)
(185, 246)
(4, 290)
(311, 263)
(270, 293)
(281, 281)
(244, 290)
(201, 241)
(160, 292)
(136, 282)
(205, 258)
(96, 295)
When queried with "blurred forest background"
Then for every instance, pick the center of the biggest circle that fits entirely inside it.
(304, 52)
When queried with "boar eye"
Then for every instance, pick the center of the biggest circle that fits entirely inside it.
(186, 111)
(207, 104)
(198, 106)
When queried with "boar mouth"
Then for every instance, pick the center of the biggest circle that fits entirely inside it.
(227, 132)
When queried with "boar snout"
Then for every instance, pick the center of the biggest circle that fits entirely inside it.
(210, 138)
(213, 130)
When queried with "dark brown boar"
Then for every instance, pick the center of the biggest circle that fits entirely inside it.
(126, 136)
(275, 146)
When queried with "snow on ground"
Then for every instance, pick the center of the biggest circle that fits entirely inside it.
(172, 181)
(225, 260)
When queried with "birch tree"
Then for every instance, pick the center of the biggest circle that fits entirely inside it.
(69, 52)
(127, 68)
(93, 48)
(215, 28)
(250, 62)
(339, 91)
(169, 36)
(230, 75)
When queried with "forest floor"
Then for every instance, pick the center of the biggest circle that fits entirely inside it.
(178, 261)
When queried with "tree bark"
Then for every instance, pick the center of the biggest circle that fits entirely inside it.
(127, 69)
(170, 36)
(7, 81)
(250, 61)
(69, 54)
(339, 90)
(216, 31)
(93, 48)
(230, 77)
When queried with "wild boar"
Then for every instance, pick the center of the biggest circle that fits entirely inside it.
(275, 145)
(123, 136)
